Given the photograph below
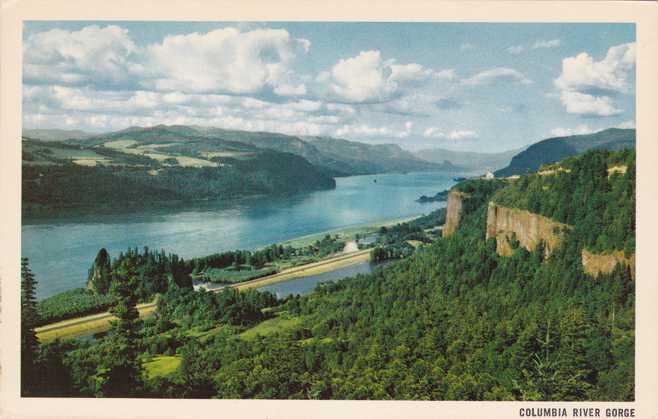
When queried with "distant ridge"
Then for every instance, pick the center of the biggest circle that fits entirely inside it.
(56, 134)
(335, 157)
(558, 148)
(469, 160)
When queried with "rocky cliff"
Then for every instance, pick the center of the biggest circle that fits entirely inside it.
(528, 228)
(596, 263)
(453, 211)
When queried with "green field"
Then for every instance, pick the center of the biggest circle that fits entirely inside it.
(232, 276)
(282, 323)
(162, 366)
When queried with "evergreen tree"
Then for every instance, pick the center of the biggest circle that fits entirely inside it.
(29, 319)
(120, 373)
(100, 273)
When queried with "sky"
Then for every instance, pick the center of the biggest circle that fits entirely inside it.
(460, 86)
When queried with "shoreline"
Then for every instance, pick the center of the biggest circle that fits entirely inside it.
(99, 322)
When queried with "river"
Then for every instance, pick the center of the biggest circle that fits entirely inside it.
(62, 249)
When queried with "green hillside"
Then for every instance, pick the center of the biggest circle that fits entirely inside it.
(111, 173)
(555, 149)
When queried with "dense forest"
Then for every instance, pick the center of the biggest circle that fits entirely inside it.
(452, 321)
(587, 193)
(53, 188)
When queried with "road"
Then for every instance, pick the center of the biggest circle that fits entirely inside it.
(95, 323)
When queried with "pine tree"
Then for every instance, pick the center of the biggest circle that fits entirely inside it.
(100, 273)
(120, 374)
(29, 319)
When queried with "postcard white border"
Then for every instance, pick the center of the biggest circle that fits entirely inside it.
(643, 14)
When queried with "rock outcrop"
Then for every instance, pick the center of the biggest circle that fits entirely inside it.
(597, 263)
(453, 211)
(528, 228)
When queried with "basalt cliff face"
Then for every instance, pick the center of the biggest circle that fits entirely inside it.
(528, 228)
(596, 263)
(453, 211)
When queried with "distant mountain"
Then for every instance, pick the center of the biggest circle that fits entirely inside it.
(555, 149)
(333, 156)
(360, 158)
(56, 134)
(468, 160)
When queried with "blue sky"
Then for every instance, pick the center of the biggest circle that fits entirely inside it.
(462, 86)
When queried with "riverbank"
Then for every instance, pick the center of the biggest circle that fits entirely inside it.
(96, 323)
(347, 233)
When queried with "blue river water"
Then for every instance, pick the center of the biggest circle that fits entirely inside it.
(62, 249)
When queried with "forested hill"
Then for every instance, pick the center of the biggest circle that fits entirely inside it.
(124, 174)
(555, 149)
(594, 193)
(335, 157)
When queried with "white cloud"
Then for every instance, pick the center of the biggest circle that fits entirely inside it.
(306, 105)
(367, 78)
(612, 73)
(579, 130)
(109, 110)
(433, 132)
(290, 90)
(495, 75)
(585, 104)
(553, 43)
(516, 49)
(226, 60)
(341, 108)
(358, 79)
(362, 130)
(586, 86)
(627, 124)
(93, 54)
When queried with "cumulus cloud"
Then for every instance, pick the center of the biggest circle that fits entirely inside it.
(93, 54)
(226, 60)
(495, 75)
(585, 104)
(434, 132)
(611, 73)
(579, 130)
(107, 110)
(367, 78)
(587, 86)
